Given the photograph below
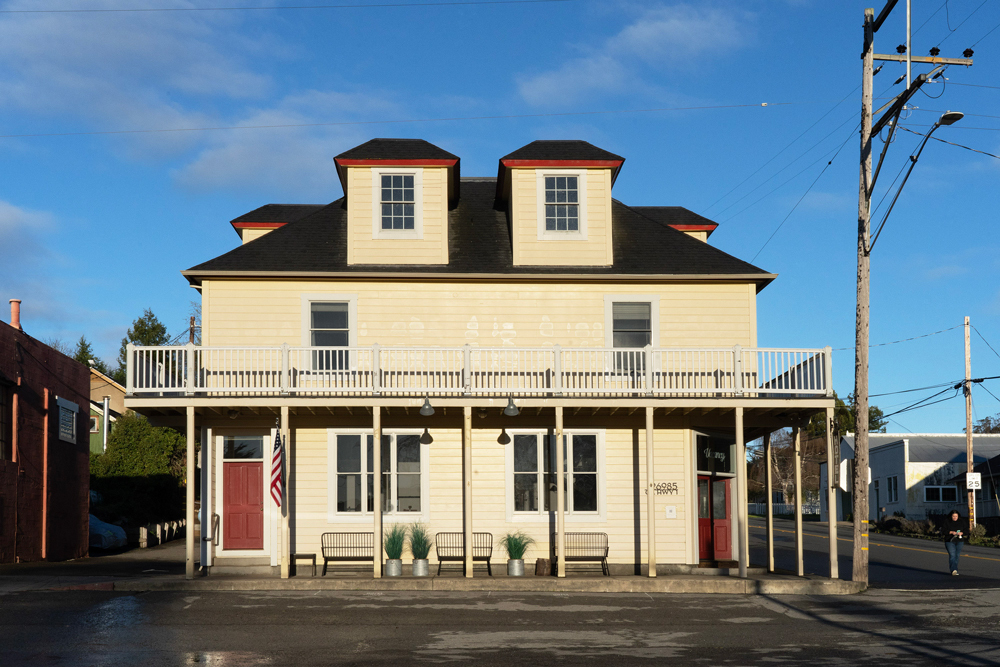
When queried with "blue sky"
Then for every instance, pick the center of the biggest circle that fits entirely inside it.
(96, 227)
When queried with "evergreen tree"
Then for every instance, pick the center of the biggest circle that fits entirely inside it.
(85, 353)
(145, 330)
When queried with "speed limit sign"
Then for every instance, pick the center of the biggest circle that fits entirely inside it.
(973, 481)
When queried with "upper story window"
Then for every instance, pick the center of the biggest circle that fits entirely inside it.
(562, 204)
(562, 207)
(397, 201)
(67, 419)
(330, 321)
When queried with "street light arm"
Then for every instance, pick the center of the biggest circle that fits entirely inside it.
(885, 149)
(913, 162)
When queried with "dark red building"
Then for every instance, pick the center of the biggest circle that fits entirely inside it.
(44, 449)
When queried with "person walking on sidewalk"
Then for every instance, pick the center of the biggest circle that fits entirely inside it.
(956, 531)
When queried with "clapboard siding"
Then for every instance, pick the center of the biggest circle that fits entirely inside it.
(529, 250)
(624, 473)
(431, 248)
(256, 313)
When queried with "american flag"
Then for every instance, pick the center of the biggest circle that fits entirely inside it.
(277, 481)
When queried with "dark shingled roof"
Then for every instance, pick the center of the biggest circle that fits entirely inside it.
(479, 243)
(674, 215)
(396, 149)
(278, 213)
(550, 149)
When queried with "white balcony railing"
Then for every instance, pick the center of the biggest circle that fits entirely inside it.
(479, 371)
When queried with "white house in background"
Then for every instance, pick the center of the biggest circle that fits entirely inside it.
(912, 473)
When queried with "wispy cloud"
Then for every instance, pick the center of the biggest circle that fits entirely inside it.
(660, 37)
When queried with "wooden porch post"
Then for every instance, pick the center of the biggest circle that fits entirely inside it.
(189, 518)
(831, 495)
(768, 462)
(650, 497)
(800, 568)
(741, 495)
(285, 539)
(467, 489)
(560, 496)
(377, 491)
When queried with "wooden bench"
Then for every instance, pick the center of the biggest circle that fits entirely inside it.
(592, 547)
(451, 547)
(348, 547)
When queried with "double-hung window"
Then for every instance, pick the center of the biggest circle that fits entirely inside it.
(403, 483)
(397, 201)
(532, 475)
(562, 204)
(630, 321)
(892, 489)
(329, 327)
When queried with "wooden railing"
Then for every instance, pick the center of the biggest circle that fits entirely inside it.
(478, 371)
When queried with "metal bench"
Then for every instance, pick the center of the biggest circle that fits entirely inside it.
(451, 547)
(592, 547)
(348, 547)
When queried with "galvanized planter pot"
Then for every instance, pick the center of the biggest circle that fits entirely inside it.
(420, 567)
(394, 567)
(515, 567)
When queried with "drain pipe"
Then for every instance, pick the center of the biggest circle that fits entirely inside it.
(107, 422)
(45, 476)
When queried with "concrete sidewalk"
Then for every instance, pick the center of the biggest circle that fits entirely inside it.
(161, 568)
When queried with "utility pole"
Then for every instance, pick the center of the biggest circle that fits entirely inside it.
(860, 572)
(968, 423)
(888, 121)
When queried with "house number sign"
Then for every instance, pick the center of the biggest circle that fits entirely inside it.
(665, 489)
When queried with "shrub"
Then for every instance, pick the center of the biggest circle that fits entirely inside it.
(394, 538)
(516, 544)
(141, 476)
(420, 541)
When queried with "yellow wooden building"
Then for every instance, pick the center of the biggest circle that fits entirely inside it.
(523, 311)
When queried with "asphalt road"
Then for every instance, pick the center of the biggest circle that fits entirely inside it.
(227, 629)
(894, 562)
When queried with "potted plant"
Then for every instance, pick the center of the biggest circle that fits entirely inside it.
(393, 539)
(420, 546)
(515, 544)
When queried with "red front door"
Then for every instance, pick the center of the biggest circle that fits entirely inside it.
(243, 505)
(714, 527)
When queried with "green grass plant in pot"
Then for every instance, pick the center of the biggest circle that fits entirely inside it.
(420, 547)
(516, 544)
(393, 540)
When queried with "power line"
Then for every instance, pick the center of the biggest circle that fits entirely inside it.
(922, 403)
(933, 14)
(961, 24)
(820, 175)
(988, 33)
(977, 115)
(974, 85)
(390, 122)
(270, 7)
(990, 393)
(952, 143)
(735, 187)
(960, 127)
(904, 340)
(908, 391)
(985, 341)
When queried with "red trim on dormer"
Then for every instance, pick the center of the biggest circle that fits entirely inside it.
(694, 228)
(258, 225)
(607, 164)
(400, 163)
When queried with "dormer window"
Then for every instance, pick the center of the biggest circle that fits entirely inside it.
(398, 202)
(562, 204)
(398, 208)
(562, 208)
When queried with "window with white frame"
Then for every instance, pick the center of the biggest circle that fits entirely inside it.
(531, 480)
(630, 321)
(562, 204)
(397, 202)
(403, 485)
(940, 494)
(326, 324)
(892, 489)
(95, 424)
